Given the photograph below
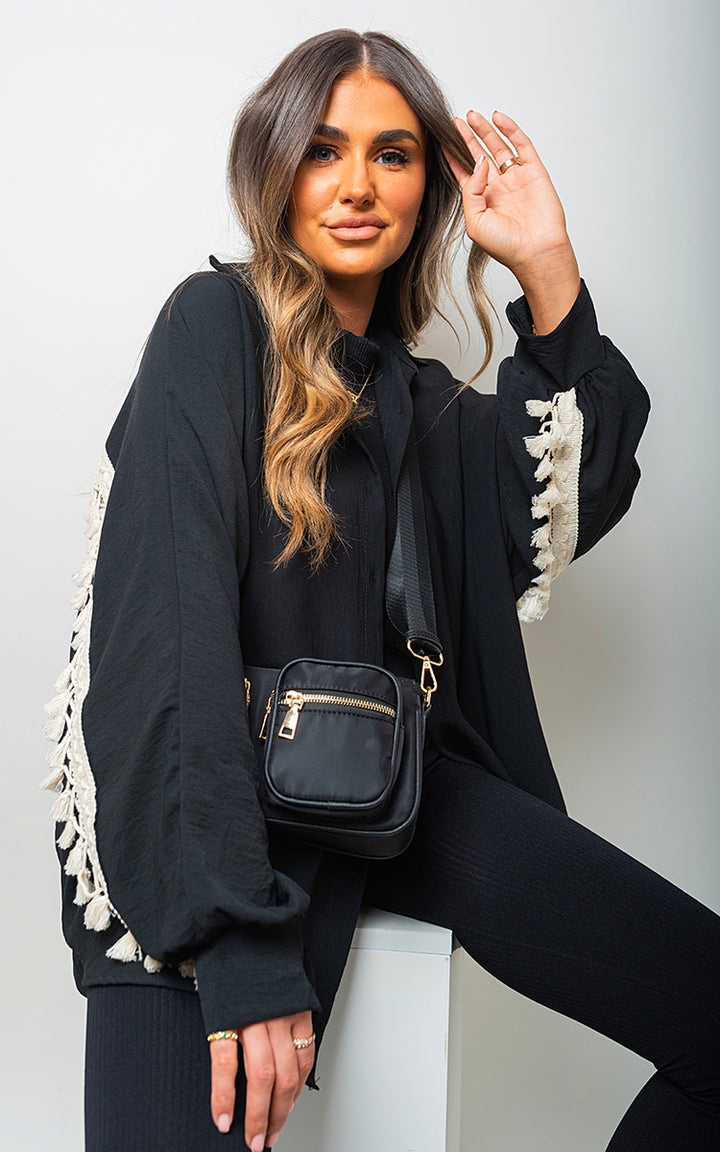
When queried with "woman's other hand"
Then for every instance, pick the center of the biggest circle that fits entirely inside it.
(275, 1070)
(517, 217)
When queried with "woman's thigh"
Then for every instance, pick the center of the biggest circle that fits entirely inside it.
(147, 1074)
(566, 918)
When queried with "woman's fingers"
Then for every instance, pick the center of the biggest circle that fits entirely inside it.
(498, 148)
(512, 211)
(522, 144)
(305, 1056)
(287, 1074)
(224, 1064)
(259, 1062)
(305, 1060)
(476, 151)
(275, 1072)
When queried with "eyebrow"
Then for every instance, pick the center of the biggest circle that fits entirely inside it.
(389, 136)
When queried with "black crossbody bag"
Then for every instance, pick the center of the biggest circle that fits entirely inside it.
(340, 745)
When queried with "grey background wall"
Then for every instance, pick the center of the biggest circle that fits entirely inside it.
(116, 122)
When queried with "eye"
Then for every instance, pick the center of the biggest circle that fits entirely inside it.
(393, 158)
(323, 153)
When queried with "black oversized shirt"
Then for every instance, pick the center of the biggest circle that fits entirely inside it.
(166, 852)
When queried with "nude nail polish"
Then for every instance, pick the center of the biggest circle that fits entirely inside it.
(224, 1122)
(258, 1143)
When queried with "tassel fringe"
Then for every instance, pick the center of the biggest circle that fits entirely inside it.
(557, 448)
(71, 775)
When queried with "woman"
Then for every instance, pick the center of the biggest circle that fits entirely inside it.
(243, 516)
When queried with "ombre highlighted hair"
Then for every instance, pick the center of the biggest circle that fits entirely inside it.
(307, 403)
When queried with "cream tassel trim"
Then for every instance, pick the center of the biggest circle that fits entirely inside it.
(558, 448)
(71, 775)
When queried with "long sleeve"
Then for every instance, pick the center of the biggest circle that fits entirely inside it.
(571, 414)
(155, 764)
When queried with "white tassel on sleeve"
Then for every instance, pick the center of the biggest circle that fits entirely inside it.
(84, 890)
(67, 836)
(77, 859)
(54, 779)
(125, 949)
(97, 913)
(55, 727)
(558, 448)
(63, 807)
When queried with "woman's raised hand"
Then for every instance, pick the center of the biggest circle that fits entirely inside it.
(275, 1070)
(516, 217)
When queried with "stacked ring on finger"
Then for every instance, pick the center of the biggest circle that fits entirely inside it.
(506, 164)
(231, 1034)
(303, 1041)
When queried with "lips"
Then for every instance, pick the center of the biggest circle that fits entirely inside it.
(357, 227)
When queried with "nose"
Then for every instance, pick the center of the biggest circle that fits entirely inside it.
(356, 182)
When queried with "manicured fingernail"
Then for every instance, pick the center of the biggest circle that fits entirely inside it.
(272, 1140)
(223, 1123)
(258, 1143)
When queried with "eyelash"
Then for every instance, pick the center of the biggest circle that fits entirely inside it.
(401, 158)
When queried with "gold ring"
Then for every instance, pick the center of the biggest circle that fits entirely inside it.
(506, 164)
(230, 1035)
(303, 1041)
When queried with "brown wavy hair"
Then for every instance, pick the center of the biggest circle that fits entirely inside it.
(307, 403)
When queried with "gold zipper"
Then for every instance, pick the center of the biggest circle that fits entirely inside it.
(294, 701)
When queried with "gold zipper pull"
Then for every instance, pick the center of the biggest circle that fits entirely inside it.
(263, 733)
(295, 700)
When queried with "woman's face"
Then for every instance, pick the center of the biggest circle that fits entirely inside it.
(356, 196)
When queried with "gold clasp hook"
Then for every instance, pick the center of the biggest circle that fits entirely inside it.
(428, 679)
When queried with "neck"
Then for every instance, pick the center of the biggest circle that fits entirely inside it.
(353, 300)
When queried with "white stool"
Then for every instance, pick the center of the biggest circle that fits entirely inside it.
(389, 1065)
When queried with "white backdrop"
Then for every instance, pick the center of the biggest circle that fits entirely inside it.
(116, 123)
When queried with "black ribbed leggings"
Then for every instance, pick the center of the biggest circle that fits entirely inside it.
(545, 905)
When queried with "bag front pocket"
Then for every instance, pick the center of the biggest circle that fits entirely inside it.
(334, 737)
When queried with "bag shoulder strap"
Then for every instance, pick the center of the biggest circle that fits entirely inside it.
(408, 588)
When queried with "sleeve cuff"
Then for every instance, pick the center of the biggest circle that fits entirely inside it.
(250, 974)
(572, 349)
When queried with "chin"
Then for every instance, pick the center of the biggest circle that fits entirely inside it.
(359, 267)
(354, 271)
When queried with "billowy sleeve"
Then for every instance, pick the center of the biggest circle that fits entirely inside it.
(571, 413)
(158, 810)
